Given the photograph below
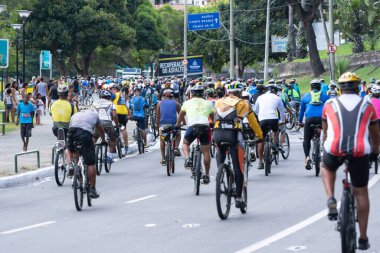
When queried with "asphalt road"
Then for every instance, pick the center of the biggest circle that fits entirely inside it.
(141, 209)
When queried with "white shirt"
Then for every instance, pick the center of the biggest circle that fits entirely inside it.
(267, 105)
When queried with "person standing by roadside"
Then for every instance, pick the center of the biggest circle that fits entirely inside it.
(8, 104)
(15, 98)
(25, 118)
(42, 89)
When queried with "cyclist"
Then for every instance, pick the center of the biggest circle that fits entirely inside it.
(333, 90)
(198, 111)
(166, 115)
(375, 100)
(363, 89)
(138, 104)
(122, 113)
(348, 123)
(260, 90)
(324, 86)
(285, 101)
(106, 111)
(311, 107)
(81, 129)
(266, 107)
(229, 113)
(294, 95)
(252, 87)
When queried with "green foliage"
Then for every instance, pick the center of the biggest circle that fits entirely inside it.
(341, 66)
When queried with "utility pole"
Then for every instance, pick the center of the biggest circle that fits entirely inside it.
(267, 42)
(237, 63)
(332, 55)
(231, 37)
(185, 42)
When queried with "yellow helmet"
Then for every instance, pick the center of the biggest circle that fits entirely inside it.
(349, 77)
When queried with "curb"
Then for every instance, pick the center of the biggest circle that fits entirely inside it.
(36, 175)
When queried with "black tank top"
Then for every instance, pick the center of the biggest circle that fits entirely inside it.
(54, 93)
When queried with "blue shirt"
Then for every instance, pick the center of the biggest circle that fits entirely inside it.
(25, 111)
(324, 88)
(252, 90)
(311, 110)
(138, 104)
(168, 109)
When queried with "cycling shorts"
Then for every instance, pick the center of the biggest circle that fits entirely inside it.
(123, 120)
(108, 129)
(88, 147)
(269, 124)
(140, 122)
(203, 131)
(359, 168)
(165, 135)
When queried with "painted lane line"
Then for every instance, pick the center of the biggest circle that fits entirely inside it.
(291, 230)
(27, 228)
(140, 199)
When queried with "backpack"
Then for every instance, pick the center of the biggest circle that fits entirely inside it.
(315, 98)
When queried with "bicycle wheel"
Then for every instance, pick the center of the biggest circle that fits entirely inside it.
(289, 122)
(276, 157)
(244, 197)
(99, 159)
(212, 149)
(172, 157)
(88, 189)
(119, 147)
(347, 223)
(197, 172)
(297, 127)
(376, 165)
(168, 159)
(285, 147)
(78, 188)
(140, 143)
(60, 167)
(223, 191)
(107, 162)
(267, 158)
(317, 157)
(153, 125)
(247, 162)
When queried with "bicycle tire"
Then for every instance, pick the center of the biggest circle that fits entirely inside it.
(107, 162)
(60, 168)
(89, 200)
(286, 147)
(290, 122)
(247, 157)
(197, 173)
(276, 157)
(99, 159)
(317, 157)
(267, 158)
(244, 196)
(140, 143)
(167, 158)
(153, 126)
(376, 165)
(119, 147)
(78, 189)
(172, 157)
(212, 149)
(347, 223)
(223, 187)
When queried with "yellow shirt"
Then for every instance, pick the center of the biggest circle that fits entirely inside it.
(122, 108)
(61, 112)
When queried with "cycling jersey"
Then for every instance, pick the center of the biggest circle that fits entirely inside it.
(61, 112)
(267, 105)
(197, 111)
(104, 109)
(310, 110)
(324, 88)
(294, 95)
(120, 104)
(363, 90)
(138, 104)
(348, 117)
(376, 104)
(168, 112)
(251, 90)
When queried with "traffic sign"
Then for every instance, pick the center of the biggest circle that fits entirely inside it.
(185, 62)
(332, 48)
(4, 53)
(203, 21)
(45, 60)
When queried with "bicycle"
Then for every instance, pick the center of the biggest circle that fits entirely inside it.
(119, 143)
(249, 146)
(316, 148)
(196, 158)
(81, 183)
(285, 146)
(346, 224)
(269, 154)
(152, 117)
(291, 120)
(138, 137)
(101, 158)
(60, 163)
(226, 188)
(171, 133)
(213, 149)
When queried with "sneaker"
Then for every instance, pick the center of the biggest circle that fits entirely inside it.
(363, 244)
(206, 179)
(308, 162)
(280, 148)
(261, 166)
(253, 157)
(238, 202)
(333, 211)
(163, 162)
(146, 146)
(177, 152)
(93, 193)
(188, 163)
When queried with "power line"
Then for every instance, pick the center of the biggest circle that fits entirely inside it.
(264, 9)
(208, 38)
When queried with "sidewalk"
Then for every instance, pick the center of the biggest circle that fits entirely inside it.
(42, 139)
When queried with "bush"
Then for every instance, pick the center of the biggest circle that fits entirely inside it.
(341, 66)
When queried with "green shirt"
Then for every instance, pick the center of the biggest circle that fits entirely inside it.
(197, 111)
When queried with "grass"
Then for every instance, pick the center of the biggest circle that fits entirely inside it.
(9, 127)
(343, 50)
(365, 73)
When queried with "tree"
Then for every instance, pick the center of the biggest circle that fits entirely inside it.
(173, 24)
(306, 10)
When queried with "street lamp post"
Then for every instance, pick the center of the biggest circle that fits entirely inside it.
(59, 51)
(17, 27)
(24, 14)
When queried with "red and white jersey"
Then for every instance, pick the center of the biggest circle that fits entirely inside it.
(348, 118)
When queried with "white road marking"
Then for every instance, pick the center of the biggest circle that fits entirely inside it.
(191, 225)
(150, 225)
(140, 199)
(28, 227)
(291, 230)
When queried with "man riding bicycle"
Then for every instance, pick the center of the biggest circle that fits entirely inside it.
(229, 113)
(348, 123)
(311, 107)
(198, 111)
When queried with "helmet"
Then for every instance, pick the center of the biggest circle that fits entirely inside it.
(376, 89)
(373, 80)
(261, 81)
(105, 94)
(168, 92)
(234, 86)
(292, 81)
(63, 90)
(271, 87)
(332, 85)
(245, 94)
(271, 81)
(197, 89)
(138, 87)
(315, 84)
(210, 84)
(322, 80)
(114, 86)
(349, 81)
(280, 86)
(210, 91)
(260, 87)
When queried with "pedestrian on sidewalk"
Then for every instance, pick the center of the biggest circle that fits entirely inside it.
(25, 118)
(42, 89)
(39, 108)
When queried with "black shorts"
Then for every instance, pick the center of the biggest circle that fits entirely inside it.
(55, 131)
(267, 125)
(122, 119)
(43, 99)
(26, 130)
(108, 129)
(88, 147)
(359, 168)
(140, 122)
(201, 131)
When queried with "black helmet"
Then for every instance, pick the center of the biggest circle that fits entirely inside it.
(315, 84)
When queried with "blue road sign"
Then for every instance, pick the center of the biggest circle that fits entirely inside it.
(4, 53)
(203, 21)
